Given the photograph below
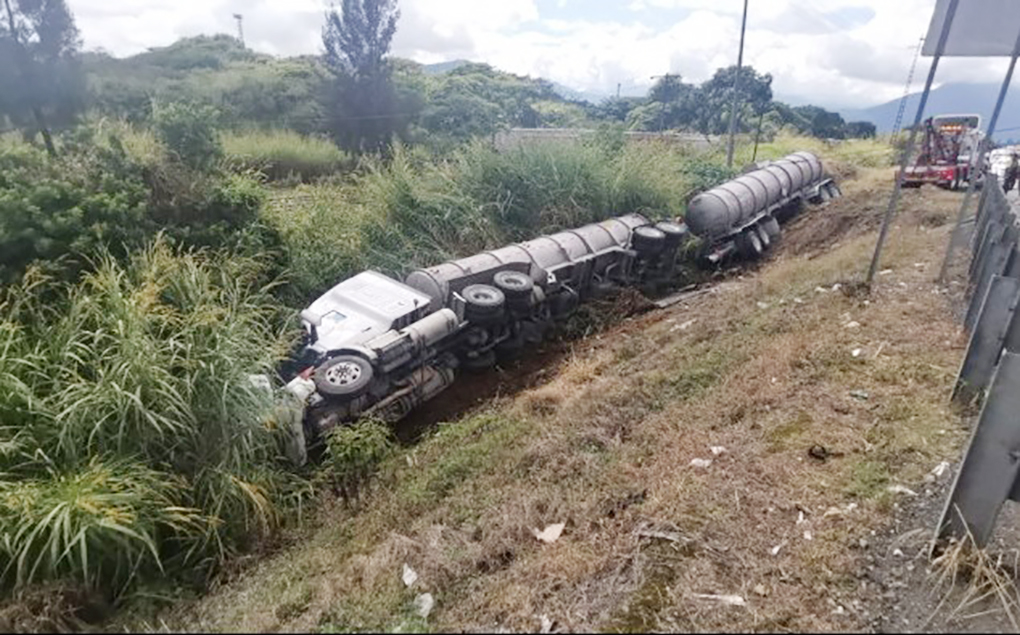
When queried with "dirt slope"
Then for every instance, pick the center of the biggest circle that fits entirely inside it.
(816, 401)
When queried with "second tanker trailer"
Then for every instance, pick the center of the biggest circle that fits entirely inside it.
(377, 346)
(743, 215)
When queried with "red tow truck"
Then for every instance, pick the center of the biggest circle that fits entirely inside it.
(947, 154)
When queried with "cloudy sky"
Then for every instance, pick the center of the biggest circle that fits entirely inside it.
(837, 53)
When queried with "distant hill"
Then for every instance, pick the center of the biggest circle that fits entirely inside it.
(956, 98)
(443, 67)
(566, 92)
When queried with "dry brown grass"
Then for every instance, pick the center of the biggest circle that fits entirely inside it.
(973, 583)
(605, 446)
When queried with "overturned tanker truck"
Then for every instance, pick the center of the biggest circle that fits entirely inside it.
(375, 346)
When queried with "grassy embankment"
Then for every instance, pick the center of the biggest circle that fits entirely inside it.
(765, 368)
(118, 380)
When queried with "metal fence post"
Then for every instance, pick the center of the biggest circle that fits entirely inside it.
(995, 258)
(998, 308)
(990, 466)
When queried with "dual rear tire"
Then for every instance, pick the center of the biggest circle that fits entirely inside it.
(754, 241)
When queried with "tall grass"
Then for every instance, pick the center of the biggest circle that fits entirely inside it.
(414, 210)
(284, 154)
(841, 158)
(132, 441)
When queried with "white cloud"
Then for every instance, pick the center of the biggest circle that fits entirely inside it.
(836, 52)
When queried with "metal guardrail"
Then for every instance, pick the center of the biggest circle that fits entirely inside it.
(989, 374)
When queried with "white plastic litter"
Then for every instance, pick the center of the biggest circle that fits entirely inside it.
(732, 600)
(409, 576)
(856, 352)
(550, 534)
(702, 463)
(852, 325)
(424, 604)
(775, 550)
(546, 624)
(899, 489)
(683, 327)
(717, 450)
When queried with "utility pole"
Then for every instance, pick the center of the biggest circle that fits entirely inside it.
(736, 90)
(911, 140)
(617, 90)
(240, 29)
(757, 136)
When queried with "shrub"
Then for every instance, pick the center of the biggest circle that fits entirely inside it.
(189, 132)
(355, 452)
(52, 208)
(105, 193)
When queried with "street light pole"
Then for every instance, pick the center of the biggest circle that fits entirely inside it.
(736, 90)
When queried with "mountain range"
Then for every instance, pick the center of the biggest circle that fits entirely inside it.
(954, 98)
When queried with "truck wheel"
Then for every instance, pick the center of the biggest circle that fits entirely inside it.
(763, 237)
(674, 233)
(749, 245)
(514, 284)
(482, 303)
(772, 228)
(823, 194)
(647, 240)
(343, 376)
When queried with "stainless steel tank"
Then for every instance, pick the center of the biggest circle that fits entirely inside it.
(534, 257)
(718, 212)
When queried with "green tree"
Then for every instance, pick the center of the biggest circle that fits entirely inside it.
(478, 100)
(716, 97)
(667, 89)
(41, 83)
(861, 130)
(822, 123)
(616, 108)
(671, 104)
(361, 101)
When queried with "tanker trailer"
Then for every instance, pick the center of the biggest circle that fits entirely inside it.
(743, 214)
(376, 346)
